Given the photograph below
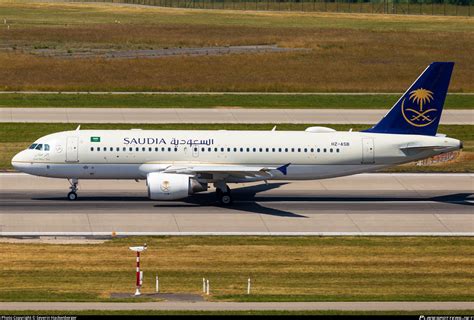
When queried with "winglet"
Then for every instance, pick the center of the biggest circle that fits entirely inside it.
(283, 168)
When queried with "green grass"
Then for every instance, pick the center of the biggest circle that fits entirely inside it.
(15, 137)
(239, 313)
(281, 268)
(15, 132)
(215, 101)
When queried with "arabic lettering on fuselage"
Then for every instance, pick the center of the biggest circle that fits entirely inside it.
(173, 141)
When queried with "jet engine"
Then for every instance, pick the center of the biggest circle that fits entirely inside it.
(172, 186)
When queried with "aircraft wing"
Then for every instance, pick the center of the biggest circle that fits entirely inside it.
(231, 170)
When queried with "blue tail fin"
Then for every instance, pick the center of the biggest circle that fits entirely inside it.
(419, 109)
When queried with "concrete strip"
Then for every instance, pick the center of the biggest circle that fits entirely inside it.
(241, 306)
(225, 93)
(180, 115)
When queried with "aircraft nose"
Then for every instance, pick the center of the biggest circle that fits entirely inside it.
(18, 160)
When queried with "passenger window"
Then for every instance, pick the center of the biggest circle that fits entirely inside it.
(254, 150)
(111, 149)
(319, 150)
(325, 150)
(137, 149)
(150, 149)
(169, 149)
(330, 150)
(92, 148)
(195, 149)
(143, 149)
(203, 149)
(215, 149)
(241, 149)
(266, 149)
(124, 149)
(305, 150)
(228, 149)
(130, 149)
(209, 149)
(98, 148)
(273, 149)
(156, 149)
(235, 149)
(222, 149)
(163, 149)
(260, 149)
(312, 150)
(279, 149)
(337, 150)
(117, 149)
(286, 149)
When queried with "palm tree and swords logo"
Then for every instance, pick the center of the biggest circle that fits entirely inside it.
(419, 117)
(165, 186)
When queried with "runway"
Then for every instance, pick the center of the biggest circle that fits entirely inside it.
(215, 115)
(381, 204)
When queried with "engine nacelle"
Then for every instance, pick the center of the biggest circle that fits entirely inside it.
(172, 186)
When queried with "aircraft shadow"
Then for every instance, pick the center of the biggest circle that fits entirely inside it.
(247, 199)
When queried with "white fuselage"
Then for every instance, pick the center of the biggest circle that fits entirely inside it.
(132, 154)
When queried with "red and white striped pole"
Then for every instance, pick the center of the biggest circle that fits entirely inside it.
(137, 293)
(139, 277)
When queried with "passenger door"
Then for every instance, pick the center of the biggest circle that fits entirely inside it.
(368, 154)
(72, 149)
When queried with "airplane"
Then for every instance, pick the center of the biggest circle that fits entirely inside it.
(177, 163)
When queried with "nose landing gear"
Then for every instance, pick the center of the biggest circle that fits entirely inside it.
(73, 195)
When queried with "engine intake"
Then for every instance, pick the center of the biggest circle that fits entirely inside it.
(172, 186)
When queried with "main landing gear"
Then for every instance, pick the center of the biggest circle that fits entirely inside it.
(223, 193)
(73, 195)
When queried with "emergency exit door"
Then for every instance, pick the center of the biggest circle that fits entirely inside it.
(368, 153)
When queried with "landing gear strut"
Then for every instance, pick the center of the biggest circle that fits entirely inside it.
(73, 195)
(223, 193)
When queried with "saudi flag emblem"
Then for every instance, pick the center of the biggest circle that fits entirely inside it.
(95, 139)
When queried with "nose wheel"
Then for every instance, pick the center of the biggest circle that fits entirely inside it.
(73, 194)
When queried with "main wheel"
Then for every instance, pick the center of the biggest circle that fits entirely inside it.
(72, 196)
(225, 199)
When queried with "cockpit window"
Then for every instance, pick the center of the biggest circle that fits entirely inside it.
(39, 146)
